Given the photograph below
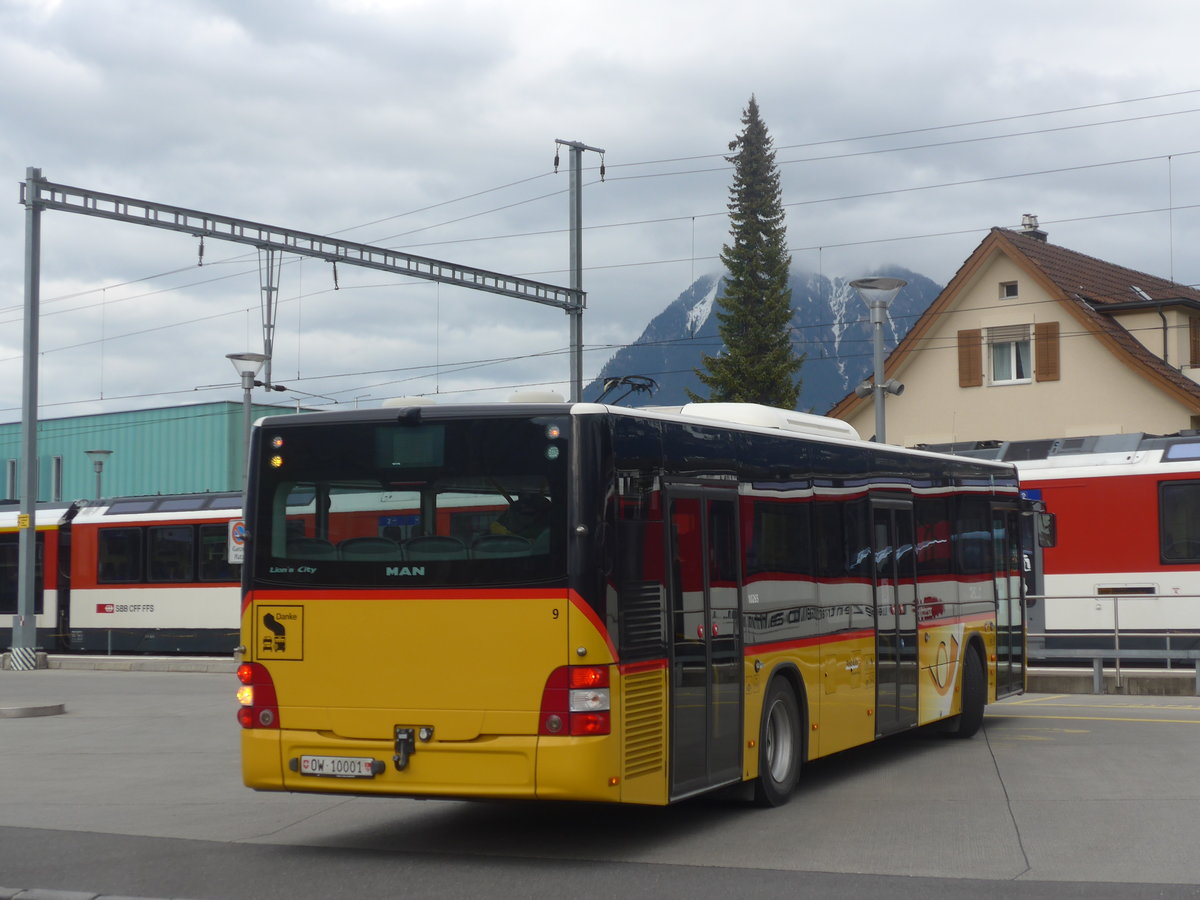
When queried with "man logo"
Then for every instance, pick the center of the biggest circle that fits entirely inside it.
(401, 571)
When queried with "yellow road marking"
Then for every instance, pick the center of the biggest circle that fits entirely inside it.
(1095, 718)
(1175, 706)
(1036, 699)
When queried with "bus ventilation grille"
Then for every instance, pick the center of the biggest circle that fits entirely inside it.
(644, 712)
(643, 622)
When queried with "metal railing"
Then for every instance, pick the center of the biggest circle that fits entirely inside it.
(1109, 640)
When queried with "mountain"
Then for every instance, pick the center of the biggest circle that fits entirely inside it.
(831, 325)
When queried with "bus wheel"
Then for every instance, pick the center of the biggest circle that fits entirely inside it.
(779, 746)
(974, 697)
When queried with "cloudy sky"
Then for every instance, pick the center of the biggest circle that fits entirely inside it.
(903, 132)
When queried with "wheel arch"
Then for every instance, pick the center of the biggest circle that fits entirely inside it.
(975, 642)
(790, 673)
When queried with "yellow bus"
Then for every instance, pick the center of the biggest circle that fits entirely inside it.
(586, 602)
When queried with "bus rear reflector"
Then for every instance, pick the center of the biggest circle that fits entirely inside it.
(260, 708)
(576, 701)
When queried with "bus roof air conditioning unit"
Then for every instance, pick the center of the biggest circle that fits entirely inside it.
(771, 417)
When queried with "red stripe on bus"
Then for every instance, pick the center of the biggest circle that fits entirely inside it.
(312, 594)
(650, 665)
(780, 646)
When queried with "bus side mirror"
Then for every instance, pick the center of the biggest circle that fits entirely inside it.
(1047, 529)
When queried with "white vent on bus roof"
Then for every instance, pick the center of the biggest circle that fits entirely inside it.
(536, 397)
(770, 417)
(410, 401)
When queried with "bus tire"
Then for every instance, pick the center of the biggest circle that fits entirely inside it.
(779, 746)
(974, 697)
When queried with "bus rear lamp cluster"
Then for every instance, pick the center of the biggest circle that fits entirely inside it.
(260, 708)
(577, 702)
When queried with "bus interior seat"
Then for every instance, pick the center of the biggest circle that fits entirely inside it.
(369, 548)
(432, 546)
(311, 548)
(497, 546)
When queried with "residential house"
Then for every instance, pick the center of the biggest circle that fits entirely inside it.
(1030, 340)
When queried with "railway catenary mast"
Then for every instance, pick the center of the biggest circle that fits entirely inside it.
(38, 194)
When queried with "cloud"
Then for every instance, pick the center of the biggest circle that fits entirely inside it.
(903, 133)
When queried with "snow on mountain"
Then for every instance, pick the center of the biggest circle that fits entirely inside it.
(830, 324)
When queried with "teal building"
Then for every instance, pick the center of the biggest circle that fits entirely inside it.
(171, 450)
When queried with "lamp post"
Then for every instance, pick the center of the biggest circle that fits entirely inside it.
(247, 366)
(878, 294)
(98, 457)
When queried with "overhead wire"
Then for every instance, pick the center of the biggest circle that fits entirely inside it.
(824, 245)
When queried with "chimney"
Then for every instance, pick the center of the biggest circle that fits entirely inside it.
(1029, 225)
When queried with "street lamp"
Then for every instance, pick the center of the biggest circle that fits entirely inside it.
(98, 457)
(878, 294)
(247, 366)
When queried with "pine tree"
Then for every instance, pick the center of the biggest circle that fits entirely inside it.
(757, 364)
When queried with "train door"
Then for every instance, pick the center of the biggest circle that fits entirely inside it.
(706, 644)
(895, 595)
(1008, 582)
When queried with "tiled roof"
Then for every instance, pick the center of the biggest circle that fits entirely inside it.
(1094, 280)
(1089, 283)
(1085, 284)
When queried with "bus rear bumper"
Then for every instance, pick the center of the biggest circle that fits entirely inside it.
(508, 767)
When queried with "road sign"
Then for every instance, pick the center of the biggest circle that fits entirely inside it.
(237, 541)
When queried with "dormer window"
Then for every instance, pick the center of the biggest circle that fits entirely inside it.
(1008, 290)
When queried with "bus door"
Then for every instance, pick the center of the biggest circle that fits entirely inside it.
(895, 584)
(1010, 621)
(706, 647)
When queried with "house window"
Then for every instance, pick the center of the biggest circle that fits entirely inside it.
(1008, 290)
(56, 478)
(1009, 350)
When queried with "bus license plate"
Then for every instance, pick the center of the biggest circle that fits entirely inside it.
(338, 766)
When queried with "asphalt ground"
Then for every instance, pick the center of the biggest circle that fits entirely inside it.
(134, 789)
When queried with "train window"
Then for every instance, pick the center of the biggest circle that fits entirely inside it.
(181, 503)
(1179, 521)
(119, 555)
(214, 562)
(169, 553)
(1182, 450)
(9, 568)
(124, 507)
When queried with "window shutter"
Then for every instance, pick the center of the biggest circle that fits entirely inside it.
(970, 358)
(1008, 334)
(1045, 341)
(1194, 342)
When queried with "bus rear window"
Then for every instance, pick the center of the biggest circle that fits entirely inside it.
(384, 505)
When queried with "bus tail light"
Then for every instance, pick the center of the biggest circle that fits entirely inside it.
(576, 701)
(260, 708)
